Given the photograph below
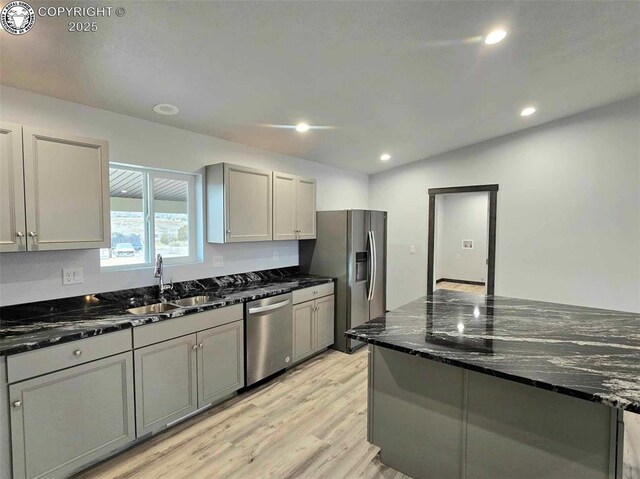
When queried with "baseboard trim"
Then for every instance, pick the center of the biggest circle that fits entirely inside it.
(461, 281)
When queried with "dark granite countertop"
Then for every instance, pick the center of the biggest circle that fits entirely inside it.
(31, 326)
(593, 354)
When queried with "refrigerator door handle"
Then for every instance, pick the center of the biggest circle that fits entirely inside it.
(375, 264)
(371, 266)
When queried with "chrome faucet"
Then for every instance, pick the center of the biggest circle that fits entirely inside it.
(159, 273)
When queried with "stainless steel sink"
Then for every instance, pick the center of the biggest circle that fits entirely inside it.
(197, 300)
(153, 308)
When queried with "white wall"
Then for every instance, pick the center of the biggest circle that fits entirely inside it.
(28, 277)
(460, 217)
(568, 225)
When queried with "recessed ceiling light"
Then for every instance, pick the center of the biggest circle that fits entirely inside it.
(302, 127)
(385, 157)
(166, 109)
(123, 191)
(495, 36)
(527, 111)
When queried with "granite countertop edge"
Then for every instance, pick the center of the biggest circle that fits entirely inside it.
(122, 320)
(551, 346)
(624, 405)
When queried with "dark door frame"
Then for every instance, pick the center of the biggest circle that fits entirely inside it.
(491, 253)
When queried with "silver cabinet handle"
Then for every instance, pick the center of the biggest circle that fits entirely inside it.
(194, 347)
(201, 345)
(20, 234)
(77, 352)
(33, 234)
(228, 232)
(270, 307)
(17, 403)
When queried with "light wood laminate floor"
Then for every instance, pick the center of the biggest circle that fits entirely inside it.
(467, 288)
(310, 422)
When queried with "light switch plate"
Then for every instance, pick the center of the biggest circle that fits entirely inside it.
(218, 262)
(72, 276)
(412, 249)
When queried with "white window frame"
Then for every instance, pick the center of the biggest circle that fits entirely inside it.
(148, 175)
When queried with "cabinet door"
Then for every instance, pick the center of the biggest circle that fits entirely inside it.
(303, 333)
(306, 208)
(67, 191)
(324, 323)
(165, 383)
(220, 362)
(12, 221)
(247, 204)
(284, 206)
(64, 420)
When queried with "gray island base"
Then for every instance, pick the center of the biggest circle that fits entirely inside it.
(434, 420)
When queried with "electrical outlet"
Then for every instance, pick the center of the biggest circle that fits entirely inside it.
(218, 262)
(72, 276)
(275, 256)
(412, 249)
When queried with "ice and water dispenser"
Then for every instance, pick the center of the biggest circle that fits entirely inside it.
(362, 265)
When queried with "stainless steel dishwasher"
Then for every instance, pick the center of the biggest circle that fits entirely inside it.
(269, 336)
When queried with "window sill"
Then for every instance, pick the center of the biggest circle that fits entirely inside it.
(168, 263)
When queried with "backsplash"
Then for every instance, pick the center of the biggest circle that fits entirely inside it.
(145, 294)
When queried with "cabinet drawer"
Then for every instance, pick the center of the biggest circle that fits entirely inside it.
(34, 363)
(183, 325)
(308, 294)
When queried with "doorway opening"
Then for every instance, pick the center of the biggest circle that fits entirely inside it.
(462, 239)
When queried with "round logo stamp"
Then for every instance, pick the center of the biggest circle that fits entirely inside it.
(17, 17)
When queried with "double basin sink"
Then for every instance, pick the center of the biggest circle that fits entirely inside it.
(159, 308)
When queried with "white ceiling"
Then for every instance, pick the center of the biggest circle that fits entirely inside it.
(398, 77)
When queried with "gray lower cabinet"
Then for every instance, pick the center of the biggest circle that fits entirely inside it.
(5, 431)
(303, 314)
(64, 420)
(166, 383)
(175, 378)
(313, 326)
(324, 324)
(220, 362)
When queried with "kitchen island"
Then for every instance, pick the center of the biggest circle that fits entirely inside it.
(468, 386)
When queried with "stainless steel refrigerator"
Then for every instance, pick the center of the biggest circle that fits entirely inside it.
(351, 245)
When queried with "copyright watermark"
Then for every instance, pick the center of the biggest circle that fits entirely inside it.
(18, 17)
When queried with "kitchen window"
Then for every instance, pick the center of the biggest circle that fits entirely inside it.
(152, 212)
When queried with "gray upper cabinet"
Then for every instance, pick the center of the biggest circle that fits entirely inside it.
(54, 191)
(220, 362)
(62, 421)
(306, 208)
(284, 206)
(67, 191)
(165, 383)
(12, 217)
(239, 204)
(294, 207)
